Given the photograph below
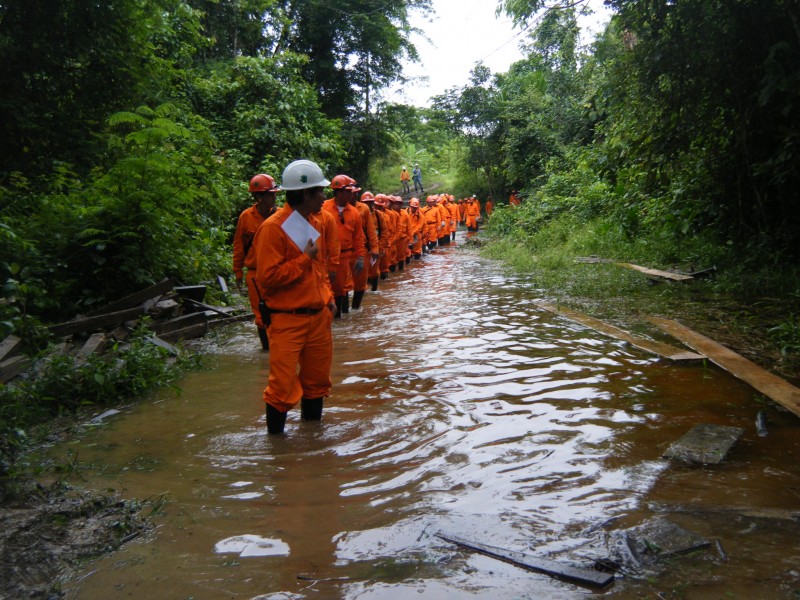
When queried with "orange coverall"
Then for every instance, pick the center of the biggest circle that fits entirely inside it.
(244, 256)
(333, 250)
(472, 214)
(453, 208)
(416, 227)
(401, 241)
(370, 245)
(351, 240)
(431, 215)
(489, 207)
(391, 223)
(383, 242)
(289, 280)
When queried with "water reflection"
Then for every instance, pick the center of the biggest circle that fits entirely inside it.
(458, 406)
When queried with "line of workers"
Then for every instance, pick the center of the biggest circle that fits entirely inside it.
(368, 236)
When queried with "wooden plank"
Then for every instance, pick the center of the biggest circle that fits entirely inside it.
(9, 347)
(658, 348)
(772, 386)
(704, 444)
(97, 322)
(656, 272)
(135, 299)
(11, 367)
(180, 322)
(187, 333)
(94, 345)
(577, 575)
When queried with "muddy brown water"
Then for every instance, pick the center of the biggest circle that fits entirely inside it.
(458, 407)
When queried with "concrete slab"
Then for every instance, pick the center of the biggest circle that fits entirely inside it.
(704, 444)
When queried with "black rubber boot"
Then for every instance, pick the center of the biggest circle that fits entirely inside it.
(384, 275)
(357, 298)
(393, 267)
(262, 335)
(408, 259)
(346, 303)
(276, 420)
(374, 283)
(453, 237)
(418, 255)
(311, 409)
(339, 300)
(401, 265)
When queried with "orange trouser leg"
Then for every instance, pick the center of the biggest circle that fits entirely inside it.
(252, 295)
(344, 274)
(304, 341)
(384, 262)
(360, 278)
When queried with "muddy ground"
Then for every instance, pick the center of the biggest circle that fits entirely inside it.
(47, 531)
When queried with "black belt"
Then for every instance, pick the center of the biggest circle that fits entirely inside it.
(296, 311)
(346, 250)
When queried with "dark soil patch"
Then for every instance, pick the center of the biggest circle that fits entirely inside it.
(45, 533)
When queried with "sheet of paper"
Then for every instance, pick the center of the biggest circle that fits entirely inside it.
(299, 230)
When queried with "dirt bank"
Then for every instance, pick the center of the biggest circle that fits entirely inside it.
(45, 532)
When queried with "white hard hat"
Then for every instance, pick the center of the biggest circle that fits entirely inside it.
(301, 175)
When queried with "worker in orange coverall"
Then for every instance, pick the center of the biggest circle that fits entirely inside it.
(351, 239)
(293, 282)
(401, 233)
(263, 189)
(387, 223)
(452, 207)
(389, 259)
(382, 231)
(416, 227)
(371, 250)
(472, 213)
(431, 222)
(444, 225)
(488, 207)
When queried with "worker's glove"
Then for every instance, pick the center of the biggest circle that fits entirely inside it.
(359, 266)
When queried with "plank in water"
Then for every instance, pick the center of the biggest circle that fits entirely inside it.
(586, 577)
(658, 348)
(772, 386)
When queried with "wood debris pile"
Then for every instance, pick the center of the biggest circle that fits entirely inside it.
(173, 313)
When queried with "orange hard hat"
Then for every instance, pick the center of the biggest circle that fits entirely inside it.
(367, 197)
(342, 181)
(262, 183)
(414, 202)
(380, 200)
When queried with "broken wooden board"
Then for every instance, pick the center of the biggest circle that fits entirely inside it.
(704, 444)
(656, 272)
(96, 344)
(772, 386)
(10, 347)
(162, 344)
(577, 575)
(11, 367)
(187, 333)
(658, 348)
(179, 322)
(136, 299)
(96, 322)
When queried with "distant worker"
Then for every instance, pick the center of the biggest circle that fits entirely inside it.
(263, 189)
(472, 213)
(488, 207)
(417, 177)
(292, 279)
(514, 199)
(405, 177)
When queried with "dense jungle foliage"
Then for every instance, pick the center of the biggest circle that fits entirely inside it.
(130, 129)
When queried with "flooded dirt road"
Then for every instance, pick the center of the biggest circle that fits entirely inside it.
(458, 407)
